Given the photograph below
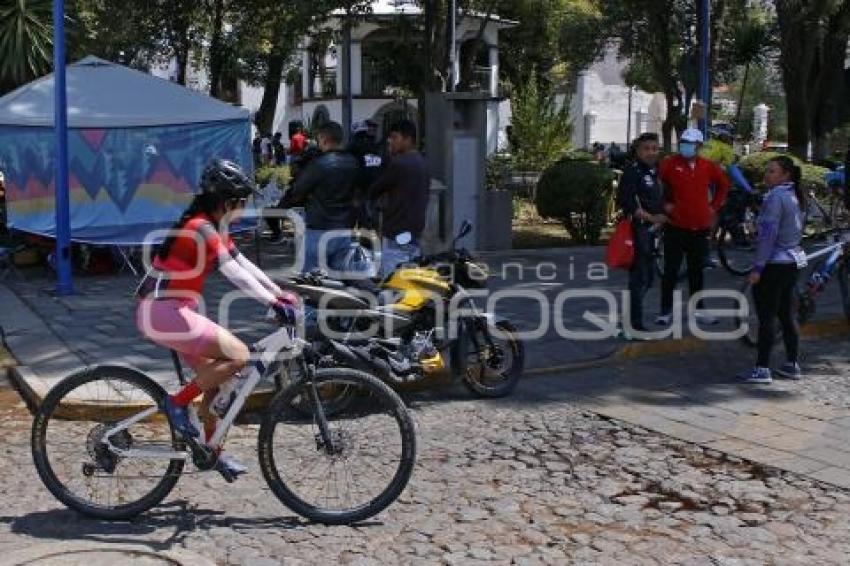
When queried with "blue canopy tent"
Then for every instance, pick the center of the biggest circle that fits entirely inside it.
(136, 147)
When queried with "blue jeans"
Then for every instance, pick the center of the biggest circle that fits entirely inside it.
(393, 254)
(334, 250)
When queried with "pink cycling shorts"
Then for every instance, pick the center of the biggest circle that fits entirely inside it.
(176, 324)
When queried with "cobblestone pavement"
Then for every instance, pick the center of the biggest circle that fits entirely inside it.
(517, 481)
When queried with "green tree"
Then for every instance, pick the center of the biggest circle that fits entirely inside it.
(813, 38)
(659, 39)
(751, 42)
(26, 41)
(555, 39)
(138, 34)
(269, 39)
(764, 85)
(541, 128)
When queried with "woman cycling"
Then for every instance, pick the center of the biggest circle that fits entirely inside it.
(169, 296)
(774, 275)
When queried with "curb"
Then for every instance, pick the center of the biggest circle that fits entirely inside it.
(17, 377)
(32, 391)
(659, 348)
(826, 328)
(79, 554)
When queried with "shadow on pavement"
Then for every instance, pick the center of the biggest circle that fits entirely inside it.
(691, 379)
(175, 516)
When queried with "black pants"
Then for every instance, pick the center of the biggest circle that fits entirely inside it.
(691, 245)
(274, 226)
(641, 273)
(774, 298)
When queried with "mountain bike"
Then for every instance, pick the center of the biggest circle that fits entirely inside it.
(738, 233)
(833, 262)
(103, 447)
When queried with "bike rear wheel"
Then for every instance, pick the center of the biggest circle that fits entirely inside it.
(75, 463)
(368, 465)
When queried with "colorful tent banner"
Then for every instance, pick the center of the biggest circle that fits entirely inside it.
(124, 182)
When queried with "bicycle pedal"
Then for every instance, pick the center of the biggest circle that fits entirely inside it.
(203, 456)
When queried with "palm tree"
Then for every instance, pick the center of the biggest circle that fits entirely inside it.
(752, 40)
(26, 41)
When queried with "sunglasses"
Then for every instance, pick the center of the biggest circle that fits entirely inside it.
(237, 202)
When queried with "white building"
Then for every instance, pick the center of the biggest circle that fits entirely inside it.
(319, 92)
(600, 106)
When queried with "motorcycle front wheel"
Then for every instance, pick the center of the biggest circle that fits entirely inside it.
(492, 367)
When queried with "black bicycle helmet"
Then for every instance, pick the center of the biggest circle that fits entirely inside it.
(225, 179)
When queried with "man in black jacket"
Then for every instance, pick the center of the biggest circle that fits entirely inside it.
(326, 189)
(364, 147)
(640, 197)
(403, 189)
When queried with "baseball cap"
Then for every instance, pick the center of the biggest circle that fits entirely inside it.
(692, 135)
(358, 127)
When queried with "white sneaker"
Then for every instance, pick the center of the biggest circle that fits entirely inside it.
(705, 318)
(664, 319)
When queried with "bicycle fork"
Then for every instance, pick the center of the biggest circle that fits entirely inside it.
(324, 438)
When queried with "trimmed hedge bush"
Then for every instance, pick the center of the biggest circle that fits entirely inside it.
(753, 168)
(576, 193)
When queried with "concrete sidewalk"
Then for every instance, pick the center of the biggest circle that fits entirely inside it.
(798, 426)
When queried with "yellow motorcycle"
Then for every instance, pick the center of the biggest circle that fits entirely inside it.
(418, 322)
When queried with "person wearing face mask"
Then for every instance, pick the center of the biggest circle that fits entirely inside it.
(687, 179)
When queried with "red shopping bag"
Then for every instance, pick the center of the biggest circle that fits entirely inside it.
(620, 253)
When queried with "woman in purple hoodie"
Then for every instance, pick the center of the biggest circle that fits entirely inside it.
(778, 259)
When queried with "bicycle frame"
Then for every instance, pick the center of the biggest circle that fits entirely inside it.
(835, 251)
(266, 352)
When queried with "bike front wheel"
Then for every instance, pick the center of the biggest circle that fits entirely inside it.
(365, 466)
(87, 469)
(736, 248)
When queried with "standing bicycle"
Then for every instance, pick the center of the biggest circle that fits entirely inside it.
(830, 262)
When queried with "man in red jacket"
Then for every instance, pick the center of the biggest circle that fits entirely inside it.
(691, 210)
